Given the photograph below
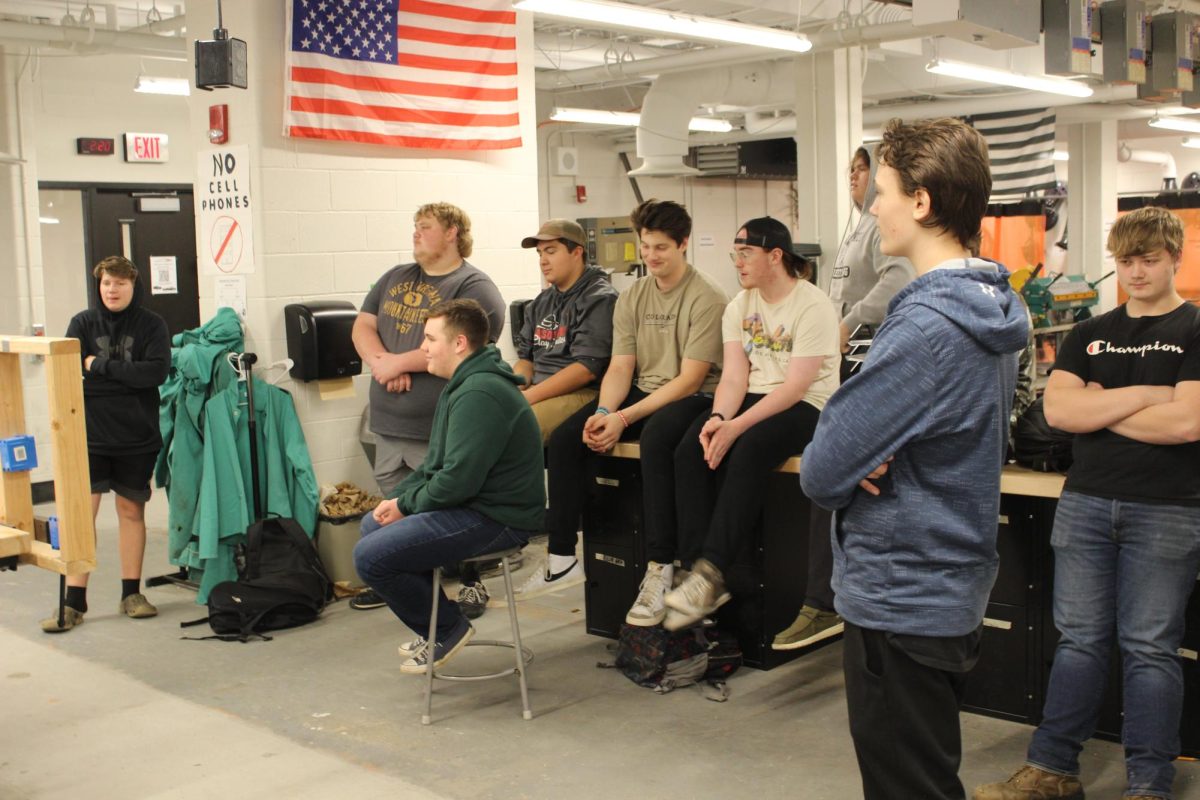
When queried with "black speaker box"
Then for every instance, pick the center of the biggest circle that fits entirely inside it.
(220, 63)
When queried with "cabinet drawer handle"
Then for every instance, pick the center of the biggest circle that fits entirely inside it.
(1001, 624)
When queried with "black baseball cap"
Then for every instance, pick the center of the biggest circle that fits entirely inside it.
(769, 233)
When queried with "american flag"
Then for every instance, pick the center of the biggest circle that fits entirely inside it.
(1021, 149)
(403, 73)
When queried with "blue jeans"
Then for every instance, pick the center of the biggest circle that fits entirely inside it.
(1124, 568)
(398, 560)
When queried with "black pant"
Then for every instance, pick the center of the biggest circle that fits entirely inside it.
(818, 592)
(903, 718)
(571, 464)
(719, 509)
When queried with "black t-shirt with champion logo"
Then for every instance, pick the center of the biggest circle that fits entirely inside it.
(1117, 350)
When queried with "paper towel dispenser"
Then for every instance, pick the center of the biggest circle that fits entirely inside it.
(318, 339)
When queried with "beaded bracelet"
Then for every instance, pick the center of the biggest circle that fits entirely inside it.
(625, 421)
(602, 411)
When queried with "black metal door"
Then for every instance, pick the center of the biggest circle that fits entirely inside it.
(116, 226)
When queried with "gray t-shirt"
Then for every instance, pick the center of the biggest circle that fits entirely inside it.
(401, 300)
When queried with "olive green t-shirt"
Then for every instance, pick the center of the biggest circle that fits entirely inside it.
(663, 328)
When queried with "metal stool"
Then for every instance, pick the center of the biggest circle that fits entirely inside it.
(521, 655)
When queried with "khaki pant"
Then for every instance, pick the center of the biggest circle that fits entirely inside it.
(553, 412)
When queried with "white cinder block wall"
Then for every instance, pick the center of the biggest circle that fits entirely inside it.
(330, 218)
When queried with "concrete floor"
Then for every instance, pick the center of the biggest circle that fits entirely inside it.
(125, 709)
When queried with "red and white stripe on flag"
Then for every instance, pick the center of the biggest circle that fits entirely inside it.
(403, 73)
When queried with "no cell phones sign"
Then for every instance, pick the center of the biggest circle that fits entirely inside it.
(224, 199)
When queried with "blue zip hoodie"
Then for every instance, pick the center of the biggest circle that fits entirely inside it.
(935, 392)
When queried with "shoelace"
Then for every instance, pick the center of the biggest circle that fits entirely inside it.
(472, 594)
(416, 645)
(650, 591)
(696, 588)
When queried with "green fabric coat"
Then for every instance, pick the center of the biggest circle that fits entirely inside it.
(225, 506)
(198, 371)
(485, 449)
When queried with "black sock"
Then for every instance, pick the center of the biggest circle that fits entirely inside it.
(77, 598)
(130, 586)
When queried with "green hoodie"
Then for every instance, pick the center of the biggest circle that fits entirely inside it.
(485, 449)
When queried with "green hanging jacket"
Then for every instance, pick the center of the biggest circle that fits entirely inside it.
(225, 507)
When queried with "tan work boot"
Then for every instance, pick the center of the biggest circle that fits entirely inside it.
(71, 619)
(1031, 783)
(137, 606)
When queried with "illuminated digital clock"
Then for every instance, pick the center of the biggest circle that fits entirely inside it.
(91, 146)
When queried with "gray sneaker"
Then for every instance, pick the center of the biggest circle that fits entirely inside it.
(811, 626)
(443, 651)
(648, 609)
(701, 593)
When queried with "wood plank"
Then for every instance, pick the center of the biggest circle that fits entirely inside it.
(72, 480)
(16, 494)
(42, 555)
(14, 542)
(38, 345)
(634, 450)
(1013, 479)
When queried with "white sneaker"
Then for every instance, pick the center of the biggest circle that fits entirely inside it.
(410, 649)
(543, 582)
(698, 596)
(648, 609)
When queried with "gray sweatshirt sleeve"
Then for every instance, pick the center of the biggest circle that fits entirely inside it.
(893, 274)
(591, 342)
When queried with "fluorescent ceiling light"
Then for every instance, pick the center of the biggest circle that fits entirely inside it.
(1172, 124)
(661, 22)
(1062, 155)
(151, 85)
(48, 220)
(1191, 141)
(1036, 83)
(630, 119)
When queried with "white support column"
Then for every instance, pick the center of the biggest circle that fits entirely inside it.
(828, 129)
(1092, 203)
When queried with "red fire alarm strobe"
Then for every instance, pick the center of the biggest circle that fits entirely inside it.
(218, 124)
(580, 194)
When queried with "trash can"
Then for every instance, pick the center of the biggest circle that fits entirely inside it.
(336, 537)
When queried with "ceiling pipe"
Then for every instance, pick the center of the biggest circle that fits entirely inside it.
(877, 115)
(723, 56)
(662, 134)
(87, 39)
(1165, 160)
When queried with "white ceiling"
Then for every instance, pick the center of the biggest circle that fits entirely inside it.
(894, 72)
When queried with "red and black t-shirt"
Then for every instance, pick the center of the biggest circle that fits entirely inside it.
(1117, 350)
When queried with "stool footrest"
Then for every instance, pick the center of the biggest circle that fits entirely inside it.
(526, 654)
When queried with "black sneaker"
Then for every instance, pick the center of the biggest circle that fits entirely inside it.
(472, 600)
(367, 599)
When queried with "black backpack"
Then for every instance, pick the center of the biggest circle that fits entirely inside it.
(281, 585)
(1039, 446)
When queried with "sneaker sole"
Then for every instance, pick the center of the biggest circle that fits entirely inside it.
(833, 630)
(686, 616)
(419, 669)
(366, 607)
(646, 622)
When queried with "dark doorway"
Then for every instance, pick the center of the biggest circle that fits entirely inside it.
(155, 228)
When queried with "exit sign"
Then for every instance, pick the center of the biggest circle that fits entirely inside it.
(148, 148)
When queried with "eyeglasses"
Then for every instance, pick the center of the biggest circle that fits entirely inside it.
(739, 256)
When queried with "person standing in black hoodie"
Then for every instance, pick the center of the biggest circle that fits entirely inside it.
(126, 353)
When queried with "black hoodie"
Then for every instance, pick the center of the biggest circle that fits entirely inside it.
(575, 326)
(120, 392)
